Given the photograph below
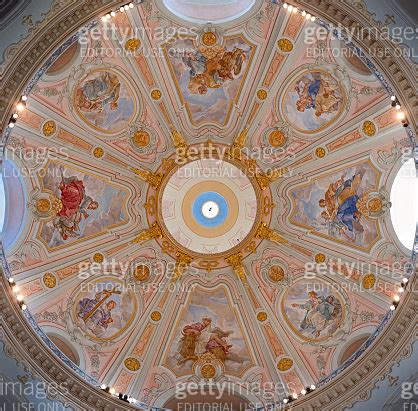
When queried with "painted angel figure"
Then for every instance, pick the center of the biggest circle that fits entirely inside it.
(341, 207)
(75, 205)
(96, 93)
(96, 312)
(320, 312)
(218, 345)
(192, 342)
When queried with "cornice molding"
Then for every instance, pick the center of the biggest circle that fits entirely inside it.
(353, 384)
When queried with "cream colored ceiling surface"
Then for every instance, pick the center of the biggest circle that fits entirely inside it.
(206, 200)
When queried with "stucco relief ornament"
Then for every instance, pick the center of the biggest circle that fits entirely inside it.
(209, 35)
(276, 272)
(43, 205)
(142, 138)
(275, 140)
(208, 366)
(141, 270)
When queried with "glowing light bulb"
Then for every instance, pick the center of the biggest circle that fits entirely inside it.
(313, 387)
(313, 18)
(24, 307)
(294, 395)
(113, 14)
(396, 298)
(303, 392)
(290, 8)
(392, 307)
(20, 107)
(393, 98)
(112, 391)
(285, 5)
(303, 13)
(308, 16)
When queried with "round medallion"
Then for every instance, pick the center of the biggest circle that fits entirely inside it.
(262, 316)
(141, 138)
(285, 364)
(368, 281)
(156, 316)
(132, 45)
(49, 280)
(142, 272)
(43, 205)
(156, 94)
(369, 128)
(276, 273)
(277, 138)
(320, 258)
(261, 94)
(320, 152)
(49, 128)
(132, 364)
(285, 45)
(209, 39)
(375, 205)
(208, 371)
(98, 258)
(98, 152)
(208, 206)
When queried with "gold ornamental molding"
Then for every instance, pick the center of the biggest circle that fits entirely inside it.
(154, 179)
(235, 260)
(234, 152)
(182, 262)
(267, 233)
(168, 167)
(148, 234)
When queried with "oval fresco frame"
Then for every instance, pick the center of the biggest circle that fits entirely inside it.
(72, 306)
(345, 314)
(80, 76)
(284, 91)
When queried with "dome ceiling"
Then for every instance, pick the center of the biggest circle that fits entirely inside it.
(206, 200)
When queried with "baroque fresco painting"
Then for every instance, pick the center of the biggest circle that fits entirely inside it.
(104, 101)
(209, 78)
(84, 205)
(335, 205)
(312, 311)
(104, 310)
(313, 101)
(208, 326)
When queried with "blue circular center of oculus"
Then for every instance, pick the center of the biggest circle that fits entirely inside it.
(210, 209)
